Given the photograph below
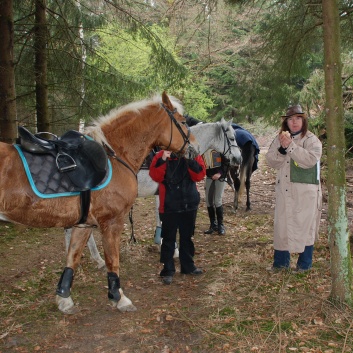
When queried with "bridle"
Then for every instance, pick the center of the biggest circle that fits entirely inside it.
(176, 123)
(226, 148)
(112, 153)
(227, 141)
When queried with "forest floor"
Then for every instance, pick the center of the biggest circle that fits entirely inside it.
(235, 306)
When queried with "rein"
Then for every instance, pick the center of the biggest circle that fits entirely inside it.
(112, 153)
(173, 120)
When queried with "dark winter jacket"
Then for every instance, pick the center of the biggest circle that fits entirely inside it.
(177, 179)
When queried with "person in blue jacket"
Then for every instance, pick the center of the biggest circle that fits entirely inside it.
(179, 200)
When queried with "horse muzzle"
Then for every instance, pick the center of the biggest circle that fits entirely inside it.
(235, 161)
(192, 151)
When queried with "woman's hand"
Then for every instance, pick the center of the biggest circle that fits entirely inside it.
(285, 139)
(166, 154)
(216, 176)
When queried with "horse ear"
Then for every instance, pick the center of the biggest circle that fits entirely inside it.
(224, 122)
(166, 101)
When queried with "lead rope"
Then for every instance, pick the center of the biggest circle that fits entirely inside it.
(132, 238)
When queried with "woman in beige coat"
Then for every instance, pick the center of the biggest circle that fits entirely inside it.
(295, 153)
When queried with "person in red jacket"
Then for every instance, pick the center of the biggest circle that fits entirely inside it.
(179, 201)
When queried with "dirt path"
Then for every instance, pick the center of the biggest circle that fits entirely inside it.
(236, 306)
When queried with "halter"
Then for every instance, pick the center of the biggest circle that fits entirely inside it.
(225, 150)
(176, 123)
(230, 145)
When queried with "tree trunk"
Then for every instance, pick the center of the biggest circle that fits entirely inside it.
(8, 123)
(341, 267)
(40, 43)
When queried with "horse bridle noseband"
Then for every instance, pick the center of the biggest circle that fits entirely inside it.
(176, 123)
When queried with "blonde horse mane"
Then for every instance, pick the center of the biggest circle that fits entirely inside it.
(95, 128)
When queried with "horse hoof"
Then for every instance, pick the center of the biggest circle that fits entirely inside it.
(101, 265)
(66, 305)
(127, 308)
(124, 304)
(122, 307)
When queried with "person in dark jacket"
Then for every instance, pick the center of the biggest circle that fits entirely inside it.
(179, 201)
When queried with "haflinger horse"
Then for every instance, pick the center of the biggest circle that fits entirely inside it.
(129, 133)
(219, 136)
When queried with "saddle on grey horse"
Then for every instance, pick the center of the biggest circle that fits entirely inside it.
(83, 160)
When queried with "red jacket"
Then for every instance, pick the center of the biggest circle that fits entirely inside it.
(177, 179)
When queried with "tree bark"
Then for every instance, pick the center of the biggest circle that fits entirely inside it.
(8, 114)
(338, 232)
(40, 48)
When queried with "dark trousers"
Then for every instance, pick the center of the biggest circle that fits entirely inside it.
(171, 223)
(305, 259)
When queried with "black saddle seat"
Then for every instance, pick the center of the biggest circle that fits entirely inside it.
(83, 159)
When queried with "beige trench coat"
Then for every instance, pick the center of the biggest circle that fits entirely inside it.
(298, 205)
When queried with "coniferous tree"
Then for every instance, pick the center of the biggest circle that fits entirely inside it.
(40, 66)
(8, 128)
(341, 263)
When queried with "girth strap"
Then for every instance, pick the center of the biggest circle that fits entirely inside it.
(85, 198)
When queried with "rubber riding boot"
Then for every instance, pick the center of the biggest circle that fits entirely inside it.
(157, 236)
(213, 224)
(219, 212)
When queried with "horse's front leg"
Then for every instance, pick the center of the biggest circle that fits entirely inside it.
(79, 237)
(111, 244)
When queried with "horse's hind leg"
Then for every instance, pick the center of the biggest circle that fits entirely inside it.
(236, 191)
(248, 204)
(92, 246)
(79, 237)
(248, 177)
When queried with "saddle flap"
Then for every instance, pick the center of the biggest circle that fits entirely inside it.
(91, 164)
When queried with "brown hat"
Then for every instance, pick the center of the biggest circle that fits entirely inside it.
(293, 110)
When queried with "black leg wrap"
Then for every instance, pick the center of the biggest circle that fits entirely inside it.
(114, 286)
(64, 286)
